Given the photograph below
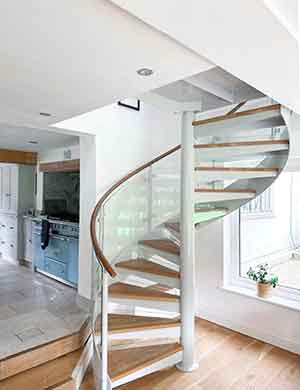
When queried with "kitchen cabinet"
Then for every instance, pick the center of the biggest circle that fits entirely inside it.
(27, 234)
(16, 198)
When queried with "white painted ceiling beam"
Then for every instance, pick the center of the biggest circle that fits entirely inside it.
(200, 81)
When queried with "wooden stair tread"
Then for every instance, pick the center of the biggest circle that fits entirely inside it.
(55, 374)
(126, 291)
(164, 245)
(235, 115)
(118, 323)
(241, 144)
(210, 209)
(125, 362)
(143, 265)
(226, 190)
(237, 169)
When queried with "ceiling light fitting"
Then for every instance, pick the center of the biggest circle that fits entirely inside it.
(145, 72)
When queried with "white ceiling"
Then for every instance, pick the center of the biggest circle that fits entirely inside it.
(13, 137)
(67, 57)
(286, 11)
(242, 37)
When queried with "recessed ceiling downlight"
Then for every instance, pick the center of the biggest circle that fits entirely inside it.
(145, 72)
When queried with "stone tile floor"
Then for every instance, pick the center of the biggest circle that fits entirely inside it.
(35, 309)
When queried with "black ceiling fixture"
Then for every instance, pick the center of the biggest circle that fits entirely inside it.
(135, 107)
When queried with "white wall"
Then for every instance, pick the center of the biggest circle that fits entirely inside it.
(87, 203)
(127, 139)
(263, 320)
(124, 139)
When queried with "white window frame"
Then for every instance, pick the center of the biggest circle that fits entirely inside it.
(261, 211)
(231, 268)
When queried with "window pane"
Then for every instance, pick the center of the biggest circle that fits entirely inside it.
(270, 230)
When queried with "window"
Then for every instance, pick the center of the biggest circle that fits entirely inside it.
(268, 230)
(260, 207)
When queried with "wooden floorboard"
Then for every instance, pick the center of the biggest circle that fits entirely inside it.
(227, 361)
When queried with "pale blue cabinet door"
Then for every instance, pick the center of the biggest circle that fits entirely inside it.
(38, 253)
(73, 261)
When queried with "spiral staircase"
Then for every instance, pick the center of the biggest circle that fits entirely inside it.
(142, 231)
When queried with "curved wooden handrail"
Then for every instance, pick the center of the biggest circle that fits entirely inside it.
(98, 251)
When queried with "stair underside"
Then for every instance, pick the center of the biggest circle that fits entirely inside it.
(143, 265)
(126, 291)
(122, 363)
(162, 245)
(211, 195)
(121, 323)
(234, 173)
(230, 151)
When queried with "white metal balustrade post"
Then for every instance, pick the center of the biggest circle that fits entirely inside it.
(187, 249)
(104, 332)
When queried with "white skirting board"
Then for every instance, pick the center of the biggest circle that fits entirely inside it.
(289, 345)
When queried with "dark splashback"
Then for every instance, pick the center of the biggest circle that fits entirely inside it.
(61, 194)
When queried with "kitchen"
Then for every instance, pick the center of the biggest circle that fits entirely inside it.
(39, 238)
(39, 215)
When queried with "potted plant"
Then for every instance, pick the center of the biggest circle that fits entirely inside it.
(264, 280)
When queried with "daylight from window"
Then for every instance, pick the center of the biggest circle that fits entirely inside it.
(270, 230)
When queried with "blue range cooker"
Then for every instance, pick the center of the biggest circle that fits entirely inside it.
(60, 258)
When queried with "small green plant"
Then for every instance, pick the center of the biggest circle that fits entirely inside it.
(261, 274)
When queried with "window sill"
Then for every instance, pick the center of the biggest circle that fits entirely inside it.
(275, 300)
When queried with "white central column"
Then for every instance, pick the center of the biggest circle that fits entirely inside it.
(187, 249)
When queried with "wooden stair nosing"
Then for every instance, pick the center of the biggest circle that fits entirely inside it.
(253, 111)
(227, 190)
(236, 169)
(125, 291)
(241, 144)
(39, 355)
(158, 353)
(54, 374)
(163, 245)
(121, 323)
(210, 209)
(143, 265)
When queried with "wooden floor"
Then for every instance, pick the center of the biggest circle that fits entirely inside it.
(227, 360)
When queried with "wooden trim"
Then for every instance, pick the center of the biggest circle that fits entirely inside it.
(242, 143)
(236, 169)
(236, 108)
(226, 190)
(210, 209)
(36, 356)
(18, 157)
(61, 166)
(253, 111)
(98, 251)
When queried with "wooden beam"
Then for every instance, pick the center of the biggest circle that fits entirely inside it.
(18, 157)
(61, 166)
